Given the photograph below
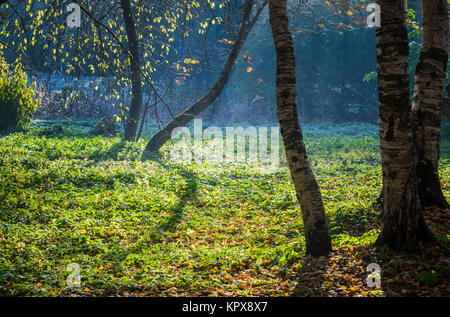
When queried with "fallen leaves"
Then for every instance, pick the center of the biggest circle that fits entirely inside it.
(424, 273)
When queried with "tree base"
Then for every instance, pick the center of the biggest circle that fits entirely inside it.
(399, 242)
(319, 244)
(429, 187)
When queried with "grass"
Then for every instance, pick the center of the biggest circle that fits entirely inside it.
(160, 229)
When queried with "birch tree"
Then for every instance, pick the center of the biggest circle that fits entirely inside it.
(318, 241)
(403, 224)
(428, 100)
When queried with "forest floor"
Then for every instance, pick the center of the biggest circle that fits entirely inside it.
(157, 228)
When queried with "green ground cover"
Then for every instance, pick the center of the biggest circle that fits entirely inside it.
(155, 228)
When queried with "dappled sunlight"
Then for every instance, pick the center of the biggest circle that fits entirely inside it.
(184, 229)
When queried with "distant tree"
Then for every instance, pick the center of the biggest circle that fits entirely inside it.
(38, 33)
(318, 241)
(136, 80)
(428, 95)
(403, 224)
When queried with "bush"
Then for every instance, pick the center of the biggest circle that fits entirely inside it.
(18, 102)
(52, 130)
(105, 127)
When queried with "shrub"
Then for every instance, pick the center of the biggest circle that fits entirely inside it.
(18, 102)
(52, 130)
(105, 127)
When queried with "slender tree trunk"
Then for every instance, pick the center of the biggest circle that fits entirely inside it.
(318, 241)
(194, 110)
(136, 82)
(402, 222)
(428, 95)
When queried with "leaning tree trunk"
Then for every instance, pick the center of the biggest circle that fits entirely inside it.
(428, 95)
(194, 110)
(136, 82)
(402, 222)
(318, 241)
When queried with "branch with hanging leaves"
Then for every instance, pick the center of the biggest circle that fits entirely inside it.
(128, 53)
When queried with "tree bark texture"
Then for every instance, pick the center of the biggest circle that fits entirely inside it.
(403, 224)
(318, 241)
(428, 95)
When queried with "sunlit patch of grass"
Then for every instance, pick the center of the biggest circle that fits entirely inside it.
(158, 228)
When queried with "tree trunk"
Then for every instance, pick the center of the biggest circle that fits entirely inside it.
(318, 241)
(402, 222)
(136, 82)
(194, 110)
(428, 95)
